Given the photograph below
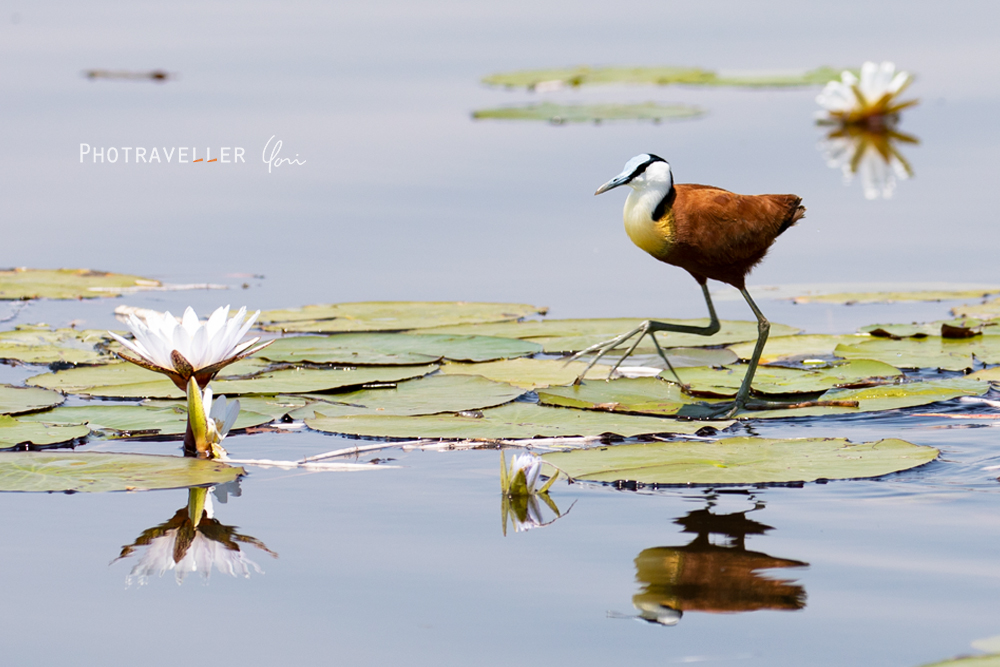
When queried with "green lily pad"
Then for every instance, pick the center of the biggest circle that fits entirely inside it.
(66, 283)
(741, 461)
(969, 661)
(651, 396)
(850, 298)
(515, 420)
(381, 349)
(528, 373)
(14, 432)
(804, 346)
(590, 113)
(309, 380)
(391, 316)
(16, 400)
(41, 345)
(989, 310)
(924, 329)
(97, 472)
(725, 382)
(661, 76)
(565, 336)
(423, 396)
(929, 352)
(132, 420)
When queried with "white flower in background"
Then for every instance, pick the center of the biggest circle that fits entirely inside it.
(189, 347)
(530, 465)
(870, 99)
(519, 485)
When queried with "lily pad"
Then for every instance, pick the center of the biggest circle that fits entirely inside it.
(989, 310)
(528, 373)
(571, 335)
(14, 432)
(651, 396)
(929, 352)
(381, 349)
(309, 380)
(423, 396)
(724, 382)
(803, 346)
(661, 76)
(590, 113)
(391, 315)
(958, 328)
(515, 420)
(850, 298)
(969, 661)
(41, 345)
(23, 283)
(741, 461)
(97, 472)
(17, 400)
(132, 420)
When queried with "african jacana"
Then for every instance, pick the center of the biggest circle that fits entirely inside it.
(708, 231)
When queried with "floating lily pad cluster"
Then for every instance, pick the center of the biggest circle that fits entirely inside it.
(498, 371)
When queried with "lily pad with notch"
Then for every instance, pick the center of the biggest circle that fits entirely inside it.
(38, 344)
(18, 400)
(98, 472)
(382, 349)
(724, 382)
(927, 352)
(528, 373)
(16, 433)
(779, 349)
(391, 315)
(742, 460)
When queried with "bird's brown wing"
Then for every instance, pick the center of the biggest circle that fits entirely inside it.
(722, 235)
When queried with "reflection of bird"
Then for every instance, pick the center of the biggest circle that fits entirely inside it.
(710, 232)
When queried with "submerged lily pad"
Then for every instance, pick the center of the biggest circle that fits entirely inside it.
(515, 420)
(423, 396)
(97, 472)
(928, 352)
(65, 283)
(528, 373)
(15, 432)
(572, 335)
(391, 315)
(591, 113)
(17, 400)
(661, 76)
(41, 345)
(132, 420)
(381, 349)
(849, 298)
(741, 461)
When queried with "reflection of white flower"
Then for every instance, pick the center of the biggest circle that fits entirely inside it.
(531, 517)
(204, 347)
(203, 554)
(870, 155)
(873, 96)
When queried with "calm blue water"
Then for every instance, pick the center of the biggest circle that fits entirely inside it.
(404, 196)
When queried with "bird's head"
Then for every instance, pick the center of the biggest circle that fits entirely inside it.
(640, 172)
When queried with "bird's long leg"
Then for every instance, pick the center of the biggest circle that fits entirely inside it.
(648, 328)
(763, 327)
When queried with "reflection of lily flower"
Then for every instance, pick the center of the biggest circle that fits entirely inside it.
(857, 150)
(187, 545)
(869, 101)
(206, 431)
(520, 495)
(189, 348)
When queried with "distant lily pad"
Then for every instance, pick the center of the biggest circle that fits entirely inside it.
(741, 461)
(983, 311)
(65, 283)
(41, 345)
(98, 472)
(661, 76)
(131, 420)
(565, 336)
(382, 349)
(957, 328)
(391, 315)
(929, 352)
(590, 113)
(423, 396)
(528, 373)
(896, 297)
(515, 420)
(17, 400)
(14, 432)
(969, 661)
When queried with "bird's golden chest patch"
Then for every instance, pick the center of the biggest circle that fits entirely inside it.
(654, 236)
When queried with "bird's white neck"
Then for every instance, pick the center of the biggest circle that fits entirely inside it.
(649, 190)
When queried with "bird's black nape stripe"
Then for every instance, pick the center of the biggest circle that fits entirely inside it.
(665, 204)
(642, 167)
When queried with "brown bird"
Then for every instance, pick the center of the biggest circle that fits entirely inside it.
(709, 232)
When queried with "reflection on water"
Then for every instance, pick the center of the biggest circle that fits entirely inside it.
(702, 576)
(193, 540)
(871, 154)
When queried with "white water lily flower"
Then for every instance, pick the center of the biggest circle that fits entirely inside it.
(189, 347)
(531, 465)
(870, 99)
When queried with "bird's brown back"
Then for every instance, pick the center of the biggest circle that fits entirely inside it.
(722, 235)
